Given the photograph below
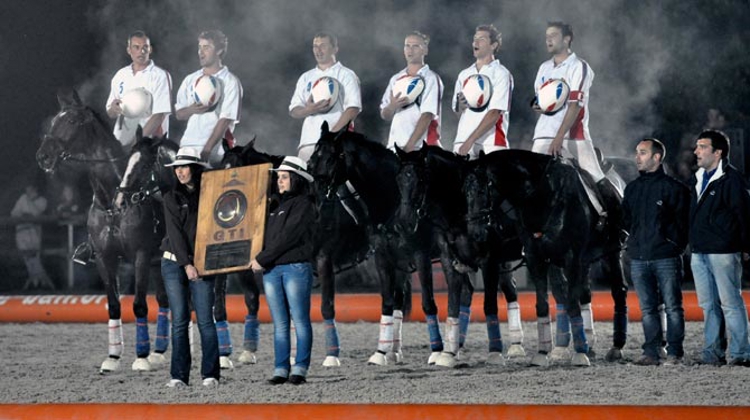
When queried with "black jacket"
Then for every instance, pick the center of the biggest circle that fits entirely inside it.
(656, 210)
(289, 232)
(719, 218)
(181, 219)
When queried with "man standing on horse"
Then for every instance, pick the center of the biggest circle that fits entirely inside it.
(485, 129)
(417, 122)
(208, 124)
(655, 213)
(719, 238)
(339, 116)
(142, 73)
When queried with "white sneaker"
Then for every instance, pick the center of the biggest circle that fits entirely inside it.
(210, 382)
(176, 383)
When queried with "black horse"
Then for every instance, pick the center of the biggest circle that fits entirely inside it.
(433, 211)
(346, 162)
(340, 243)
(79, 138)
(557, 226)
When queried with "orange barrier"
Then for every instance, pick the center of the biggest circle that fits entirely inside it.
(349, 308)
(362, 411)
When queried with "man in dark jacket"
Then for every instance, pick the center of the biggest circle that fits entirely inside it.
(655, 211)
(719, 235)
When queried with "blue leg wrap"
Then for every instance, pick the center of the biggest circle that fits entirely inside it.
(493, 333)
(433, 328)
(562, 327)
(162, 331)
(252, 333)
(621, 328)
(225, 341)
(142, 340)
(332, 338)
(579, 336)
(463, 324)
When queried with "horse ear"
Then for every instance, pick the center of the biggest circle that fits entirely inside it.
(138, 134)
(68, 98)
(225, 145)
(324, 128)
(400, 152)
(251, 143)
(481, 153)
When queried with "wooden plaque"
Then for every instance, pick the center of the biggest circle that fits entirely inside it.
(231, 218)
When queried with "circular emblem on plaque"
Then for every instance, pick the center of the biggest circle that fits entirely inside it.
(230, 209)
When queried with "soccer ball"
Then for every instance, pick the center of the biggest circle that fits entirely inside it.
(136, 103)
(477, 90)
(325, 88)
(552, 95)
(207, 90)
(409, 87)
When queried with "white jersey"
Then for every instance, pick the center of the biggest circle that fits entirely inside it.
(157, 82)
(349, 97)
(502, 90)
(200, 126)
(405, 119)
(579, 77)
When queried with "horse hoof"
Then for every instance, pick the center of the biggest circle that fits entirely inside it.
(662, 352)
(433, 357)
(580, 359)
(225, 363)
(141, 364)
(378, 359)
(157, 359)
(516, 350)
(446, 360)
(247, 358)
(395, 358)
(560, 353)
(540, 359)
(496, 358)
(614, 354)
(110, 365)
(331, 361)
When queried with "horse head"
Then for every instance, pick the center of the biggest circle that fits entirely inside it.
(74, 131)
(247, 155)
(328, 162)
(146, 173)
(412, 187)
(478, 203)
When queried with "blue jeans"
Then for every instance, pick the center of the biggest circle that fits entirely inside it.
(654, 281)
(288, 289)
(718, 280)
(201, 293)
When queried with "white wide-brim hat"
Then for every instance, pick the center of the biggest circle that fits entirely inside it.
(296, 165)
(188, 156)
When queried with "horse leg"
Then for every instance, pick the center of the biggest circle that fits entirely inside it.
(220, 317)
(251, 334)
(464, 315)
(619, 290)
(490, 275)
(386, 273)
(559, 286)
(106, 265)
(161, 343)
(424, 272)
(576, 274)
(328, 310)
(515, 328)
(538, 273)
(140, 309)
(459, 292)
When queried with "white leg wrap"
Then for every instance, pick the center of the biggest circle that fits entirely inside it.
(544, 330)
(385, 341)
(398, 319)
(588, 323)
(292, 341)
(452, 334)
(191, 336)
(663, 318)
(115, 337)
(514, 323)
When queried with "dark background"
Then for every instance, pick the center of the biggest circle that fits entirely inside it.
(659, 65)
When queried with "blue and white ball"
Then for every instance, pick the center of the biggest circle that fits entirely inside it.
(136, 103)
(409, 87)
(325, 88)
(206, 90)
(553, 95)
(477, 90)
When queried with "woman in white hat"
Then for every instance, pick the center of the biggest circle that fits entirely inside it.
(181, 279)
(286, 262)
